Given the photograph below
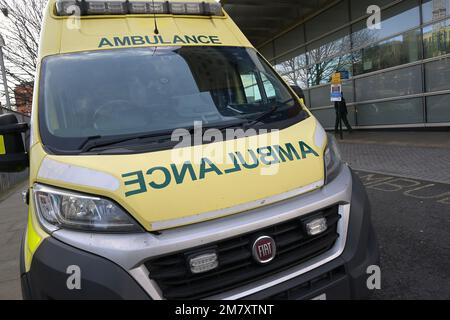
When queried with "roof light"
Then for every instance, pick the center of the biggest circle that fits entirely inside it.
(135, 7)
(213, 9)
(66, 7)
(158, 7)
(177, 8)
(118, 7)
(194, 8)
(94, 7)
(146, 7)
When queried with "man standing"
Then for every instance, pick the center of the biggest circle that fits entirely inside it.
(341, 111)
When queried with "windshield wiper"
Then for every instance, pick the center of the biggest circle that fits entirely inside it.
(267, 113)
(101, 141)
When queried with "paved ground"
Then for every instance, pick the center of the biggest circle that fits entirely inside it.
(420, 138)
(411, 209)
(411, 215)
(13, 214)
(432, 164)
(417, 154)
(412, 221)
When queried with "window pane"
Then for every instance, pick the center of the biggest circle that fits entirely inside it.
(328, 47)
(320, 97)
(251, 88)
(392, 112)
(292, 39)
(327, 117)
(293, 70)
(359, 7)
(438, 108)
(307, 99)
(399, 50)
(399, 18)
(321, 72)
(389, 84)
(347, 89)
(437, 75)
(435, 9)
(268, 87)
(325, 57)
(436, 39)
(331, 19)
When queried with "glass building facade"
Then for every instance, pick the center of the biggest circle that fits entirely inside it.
(399, 74)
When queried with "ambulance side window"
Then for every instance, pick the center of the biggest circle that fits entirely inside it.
(268, 87)
(251, 88)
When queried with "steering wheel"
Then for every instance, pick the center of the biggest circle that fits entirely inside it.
(119, 114)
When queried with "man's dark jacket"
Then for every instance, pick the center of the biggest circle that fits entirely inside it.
(342, 105)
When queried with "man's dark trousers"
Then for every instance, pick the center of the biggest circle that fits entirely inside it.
(341, 111)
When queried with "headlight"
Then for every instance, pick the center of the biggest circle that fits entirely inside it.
(66, 209)
(333, 162)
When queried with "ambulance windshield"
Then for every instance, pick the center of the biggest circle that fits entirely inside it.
(114, 93)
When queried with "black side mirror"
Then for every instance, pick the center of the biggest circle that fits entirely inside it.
(299, 92)
(13, 157)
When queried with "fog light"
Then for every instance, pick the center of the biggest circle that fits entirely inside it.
(316, 226)
(203, 263)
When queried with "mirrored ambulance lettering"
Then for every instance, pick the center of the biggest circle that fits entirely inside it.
(161, 177)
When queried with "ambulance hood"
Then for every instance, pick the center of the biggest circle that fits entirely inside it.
(182, 186)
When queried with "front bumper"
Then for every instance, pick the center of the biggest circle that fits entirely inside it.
(345, 277)
(105, 274)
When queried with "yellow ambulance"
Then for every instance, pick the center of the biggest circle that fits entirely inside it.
(168, 160)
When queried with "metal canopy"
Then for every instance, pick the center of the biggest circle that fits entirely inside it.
(260, 20)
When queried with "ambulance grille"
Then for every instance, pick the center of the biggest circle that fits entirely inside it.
(237, 266)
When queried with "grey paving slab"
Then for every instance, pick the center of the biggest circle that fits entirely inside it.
(436, 139)
(425, 163)
(13, 215)
(10, 290)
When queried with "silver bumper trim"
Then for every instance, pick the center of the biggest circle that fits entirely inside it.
(167, 224)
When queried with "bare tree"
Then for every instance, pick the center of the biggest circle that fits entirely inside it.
(325, 60)
(294, 70)
(20, 24)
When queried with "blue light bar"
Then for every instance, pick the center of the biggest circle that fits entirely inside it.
(123, 7)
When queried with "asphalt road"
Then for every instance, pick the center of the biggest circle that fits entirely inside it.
(412, 221)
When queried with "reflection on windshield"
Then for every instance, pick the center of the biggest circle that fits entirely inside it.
(131, 91)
